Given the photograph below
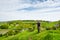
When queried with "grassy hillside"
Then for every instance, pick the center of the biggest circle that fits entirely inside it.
(27, 30)
(25, 35)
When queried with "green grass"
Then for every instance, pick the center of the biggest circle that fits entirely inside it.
(28, 34)
(25, 35)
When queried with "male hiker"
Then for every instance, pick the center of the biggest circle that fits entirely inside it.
(38, 26)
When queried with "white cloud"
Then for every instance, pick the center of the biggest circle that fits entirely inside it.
(49, 10)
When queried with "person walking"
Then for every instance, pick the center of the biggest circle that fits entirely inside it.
(38, 26)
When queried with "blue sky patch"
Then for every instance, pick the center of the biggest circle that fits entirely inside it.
(28, 9)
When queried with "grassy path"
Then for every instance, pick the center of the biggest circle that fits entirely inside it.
(45, 35)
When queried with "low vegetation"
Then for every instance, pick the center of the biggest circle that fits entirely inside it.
(27, 30)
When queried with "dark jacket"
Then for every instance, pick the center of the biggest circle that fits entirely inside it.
(38, 24)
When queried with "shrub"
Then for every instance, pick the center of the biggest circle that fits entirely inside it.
(0, 35)
(30, 29)
(11, 32)
(4, 26)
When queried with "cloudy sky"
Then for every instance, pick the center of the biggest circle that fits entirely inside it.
(29, 10)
